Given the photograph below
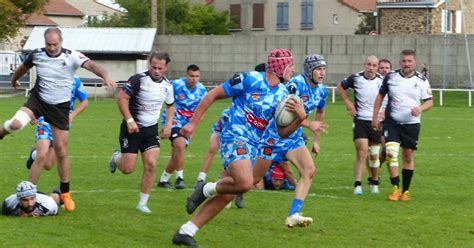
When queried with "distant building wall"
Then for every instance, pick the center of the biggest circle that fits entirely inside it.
(219, 57)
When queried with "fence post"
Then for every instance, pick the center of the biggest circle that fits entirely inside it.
(441, 97)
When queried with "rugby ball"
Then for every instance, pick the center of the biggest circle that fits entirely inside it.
(284, 117)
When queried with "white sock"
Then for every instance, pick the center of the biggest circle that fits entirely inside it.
(189, 228)
(165, 177)
(117, 157)
(143, 198)
(180, 174)
(33, 155)
(209, 190)
(202, 176)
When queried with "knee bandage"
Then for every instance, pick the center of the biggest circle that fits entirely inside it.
(391, 149)
(20, 116)
(374, 151)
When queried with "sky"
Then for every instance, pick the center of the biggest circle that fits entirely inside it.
(110, 3)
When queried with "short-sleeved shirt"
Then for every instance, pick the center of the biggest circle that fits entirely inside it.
(403, 95)
(147, 96)
(55, 75)
(313, 98)
(186, 101)
(365, 92)
(45, 205)
(253, 106)
(219, 125)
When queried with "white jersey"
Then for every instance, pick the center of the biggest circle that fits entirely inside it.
(365, 93)
(45, 205)
(403, 95)
(147, 97)
(55, 75)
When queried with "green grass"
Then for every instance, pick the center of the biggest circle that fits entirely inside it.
(441, 214)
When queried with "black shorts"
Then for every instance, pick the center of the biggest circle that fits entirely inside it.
(363, 130)
(144, 140)
(176, 134)
(405, 134)
(55, 114)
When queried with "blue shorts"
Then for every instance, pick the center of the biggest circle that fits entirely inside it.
(43, 130)
(237, 150)
(275, 150)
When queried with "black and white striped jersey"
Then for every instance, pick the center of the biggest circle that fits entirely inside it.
(45, 205)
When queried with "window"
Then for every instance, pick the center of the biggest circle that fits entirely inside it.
(235, 14)
(306, 14)
(258, 16)
(447, 21)
(282, 15)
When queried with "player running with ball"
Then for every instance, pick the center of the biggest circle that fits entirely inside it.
(308, 86)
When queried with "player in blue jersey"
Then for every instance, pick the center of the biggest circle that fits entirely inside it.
(188, 92)
(278, 176)
(309, 87)
(42, 156)
(254, 99)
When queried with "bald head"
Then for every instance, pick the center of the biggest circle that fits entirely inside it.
(370, 66)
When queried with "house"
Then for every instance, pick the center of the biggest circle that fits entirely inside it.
(295, 17)
(424, 16)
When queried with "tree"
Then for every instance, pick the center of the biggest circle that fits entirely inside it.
(13, 15)
(367, 24)
(182, 18)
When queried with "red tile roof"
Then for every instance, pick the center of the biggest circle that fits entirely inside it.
(37, 19)
(61, 8)
(360, 5)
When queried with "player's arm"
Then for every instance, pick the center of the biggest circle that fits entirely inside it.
(349, 104)
(79, 109)
(169, 121)
(101, 72)
(20, 71)
(212, 96)
(377, 105)
(298, 108)
(122, 101)
(427, 104)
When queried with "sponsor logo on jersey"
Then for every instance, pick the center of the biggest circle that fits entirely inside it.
(181, 96)
(256, 96)
(186, 113)
(241, 151)
(305, 97)
(270, 141)
(239, 143)
(267, 151)
(256, 122)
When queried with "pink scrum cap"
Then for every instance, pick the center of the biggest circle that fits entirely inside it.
(279, 60)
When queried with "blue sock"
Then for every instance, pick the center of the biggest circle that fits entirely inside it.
(296, 206)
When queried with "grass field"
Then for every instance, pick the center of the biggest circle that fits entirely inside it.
(441, 214)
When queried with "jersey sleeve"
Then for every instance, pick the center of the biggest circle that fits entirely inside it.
(384, 87)
(170, 97)
(132, 86)
(348, 82)
(235, 85)
(79, 59)
(426, 93)
(80, 93)
(28, 62)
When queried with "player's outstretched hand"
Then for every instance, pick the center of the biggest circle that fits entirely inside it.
(111, 85)
(188, 130)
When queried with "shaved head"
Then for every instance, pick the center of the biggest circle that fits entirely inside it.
(371, 65)
(372, 59)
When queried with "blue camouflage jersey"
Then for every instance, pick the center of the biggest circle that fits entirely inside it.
(273, 147)
(253, 106)
(186, 102)
(43, 128)
(219, 125)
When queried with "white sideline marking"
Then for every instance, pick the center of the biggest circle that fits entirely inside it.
(284, 192)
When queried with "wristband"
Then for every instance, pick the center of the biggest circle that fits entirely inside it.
(130, 120)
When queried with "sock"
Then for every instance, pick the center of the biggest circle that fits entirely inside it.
(357, 183)
(209, 189)
(179, 174)
(33, 154)
(189, 228)
(202, 176)
(117, 157)
(369, 180)
(165, 177)
(143, 198)
(375, 182)
(395, 181)
(296, 206)
(406, 177)
(64, 187)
